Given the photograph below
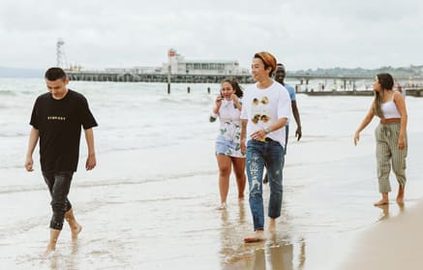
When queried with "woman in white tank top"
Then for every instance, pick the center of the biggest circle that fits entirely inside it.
(391, 135)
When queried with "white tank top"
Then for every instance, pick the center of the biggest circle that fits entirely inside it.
(390, 110)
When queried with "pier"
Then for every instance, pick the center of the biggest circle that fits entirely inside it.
(153, 77)
(196, 78)
(414, 92)
(340, 85)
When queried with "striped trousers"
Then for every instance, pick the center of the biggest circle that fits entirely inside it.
(387, 153)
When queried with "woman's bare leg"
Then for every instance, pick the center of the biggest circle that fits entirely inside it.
(239, 169)
(400, 196)
(224, 163)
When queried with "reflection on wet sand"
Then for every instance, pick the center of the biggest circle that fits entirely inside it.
(386, 214)
(54, 262)
(401, 207)
(277, 252)
(282, 257)
(272, 256)
(61, 261)
(393, 244)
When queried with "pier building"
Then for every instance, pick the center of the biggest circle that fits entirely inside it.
(179, 65)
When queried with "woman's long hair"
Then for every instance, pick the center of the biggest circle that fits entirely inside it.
(387, 82)
(235, 86)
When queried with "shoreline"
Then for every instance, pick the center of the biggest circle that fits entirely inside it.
(395, 243)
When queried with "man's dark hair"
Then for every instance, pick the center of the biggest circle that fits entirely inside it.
(55, 73)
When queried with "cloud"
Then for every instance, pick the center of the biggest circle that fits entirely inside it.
(301, 33)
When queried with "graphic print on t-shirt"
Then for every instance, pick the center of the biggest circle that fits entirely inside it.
(259, 110)
(57, 118)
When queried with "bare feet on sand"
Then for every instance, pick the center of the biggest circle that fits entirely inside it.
(221, 207)
(49, 250)
(400, 196)
(272, 225)
(73, 224)
(75, 230)
(381, 202)
(257, 236)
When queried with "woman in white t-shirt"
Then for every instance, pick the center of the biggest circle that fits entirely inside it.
(227, 108)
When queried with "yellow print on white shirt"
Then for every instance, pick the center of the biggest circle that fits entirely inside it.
(259, 111)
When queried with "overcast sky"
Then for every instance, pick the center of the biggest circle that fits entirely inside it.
(300, 33)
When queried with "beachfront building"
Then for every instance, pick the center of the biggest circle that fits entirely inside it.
(179, 65)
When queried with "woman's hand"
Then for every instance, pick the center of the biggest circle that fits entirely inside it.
(356, 137)
(219, 100)
(236, 102)
(243, 146)
(401, 142)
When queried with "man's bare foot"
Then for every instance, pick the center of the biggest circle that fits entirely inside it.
(221, 207)
(272, 225)
(381, 202)
(75, 230)
(73, 224)
(54, 235)
(49, 250)
(257, 236)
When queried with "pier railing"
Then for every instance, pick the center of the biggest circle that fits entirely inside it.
(159, 77)
(302, 85)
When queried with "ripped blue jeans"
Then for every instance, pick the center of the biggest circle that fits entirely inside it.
(260, 154)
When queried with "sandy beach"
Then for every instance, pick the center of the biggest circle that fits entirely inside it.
(395, 243)
(150, 203)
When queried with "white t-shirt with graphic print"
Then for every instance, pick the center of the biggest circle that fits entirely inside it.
(263, 107)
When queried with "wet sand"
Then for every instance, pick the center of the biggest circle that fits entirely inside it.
(142, 222)
(393, 244)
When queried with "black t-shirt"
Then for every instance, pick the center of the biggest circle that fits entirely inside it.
(59, 124)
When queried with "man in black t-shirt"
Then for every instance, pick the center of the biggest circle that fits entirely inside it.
(56, 121)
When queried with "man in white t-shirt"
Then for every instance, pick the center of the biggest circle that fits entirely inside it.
(265, 112)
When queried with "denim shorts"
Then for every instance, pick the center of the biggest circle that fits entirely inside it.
(228, 148)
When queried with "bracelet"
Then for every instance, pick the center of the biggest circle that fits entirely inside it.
(267, 130)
